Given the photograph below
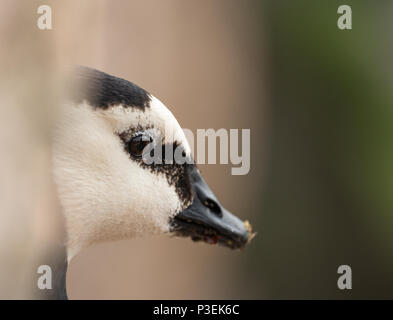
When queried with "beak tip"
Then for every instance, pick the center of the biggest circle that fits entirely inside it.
(249, 234)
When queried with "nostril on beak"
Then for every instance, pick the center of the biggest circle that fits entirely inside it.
(213, 206)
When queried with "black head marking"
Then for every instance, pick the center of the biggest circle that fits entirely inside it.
(176, 174)
(102, 90)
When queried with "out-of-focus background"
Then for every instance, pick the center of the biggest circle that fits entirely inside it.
(318, 102)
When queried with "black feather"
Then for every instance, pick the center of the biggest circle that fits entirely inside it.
(102, 90)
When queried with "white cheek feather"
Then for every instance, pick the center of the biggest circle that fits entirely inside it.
(104, 194)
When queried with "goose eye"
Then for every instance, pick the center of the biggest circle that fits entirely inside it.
(137, 144)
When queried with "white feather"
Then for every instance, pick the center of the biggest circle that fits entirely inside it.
(106, 195)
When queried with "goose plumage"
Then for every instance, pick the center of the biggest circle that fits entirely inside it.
(106, 189)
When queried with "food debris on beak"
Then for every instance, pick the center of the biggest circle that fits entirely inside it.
(212, 239)
(248, 227)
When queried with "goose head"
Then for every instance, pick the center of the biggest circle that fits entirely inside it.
(112, 181)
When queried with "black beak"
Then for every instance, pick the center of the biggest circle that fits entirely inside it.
(206, 220)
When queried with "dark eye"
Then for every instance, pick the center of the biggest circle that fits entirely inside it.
(137, 144)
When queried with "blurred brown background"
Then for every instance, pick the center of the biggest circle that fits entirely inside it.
(317, 101)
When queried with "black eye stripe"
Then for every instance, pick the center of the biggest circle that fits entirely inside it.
(176, 174)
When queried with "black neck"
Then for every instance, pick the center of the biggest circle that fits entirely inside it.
(56, 259)
(59, 273)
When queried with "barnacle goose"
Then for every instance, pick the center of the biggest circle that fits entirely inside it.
(106, 189)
